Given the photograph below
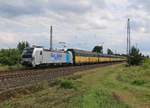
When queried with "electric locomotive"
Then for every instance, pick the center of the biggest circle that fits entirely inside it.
(36, 56)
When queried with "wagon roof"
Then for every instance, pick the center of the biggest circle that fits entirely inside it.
(78, 51)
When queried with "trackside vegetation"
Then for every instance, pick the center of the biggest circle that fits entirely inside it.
(117, 86)
(10, 58)
(135, 57)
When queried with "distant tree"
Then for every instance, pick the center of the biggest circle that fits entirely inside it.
(109, 51)
(135, 57)
(21, 45)
(98, 49)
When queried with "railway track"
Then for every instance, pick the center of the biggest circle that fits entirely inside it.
(24, 77)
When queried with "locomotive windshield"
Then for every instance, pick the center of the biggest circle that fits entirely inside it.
(27, 53)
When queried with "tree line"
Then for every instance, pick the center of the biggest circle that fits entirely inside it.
(12, 56)
(99, 49)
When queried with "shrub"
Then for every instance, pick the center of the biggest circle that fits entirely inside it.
(135, 57)
(138, 82)
(66, 84)
(9, 56)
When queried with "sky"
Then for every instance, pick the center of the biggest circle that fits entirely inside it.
(80, 24)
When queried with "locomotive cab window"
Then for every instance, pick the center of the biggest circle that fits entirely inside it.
(40, 52)
(27, 53)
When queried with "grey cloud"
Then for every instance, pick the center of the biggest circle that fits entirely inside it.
(69, 6)
(136, 24)
(99, 3)
(140, 26)
(32, 7)
(140, 4)
(8, 9)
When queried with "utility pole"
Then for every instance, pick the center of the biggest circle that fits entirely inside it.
(129, 36)
(51, 37)
(128, 40)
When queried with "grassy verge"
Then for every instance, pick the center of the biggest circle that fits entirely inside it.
(14, 67)
(115, 86)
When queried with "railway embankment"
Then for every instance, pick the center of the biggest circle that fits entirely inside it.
(24, 77)
(115, 86)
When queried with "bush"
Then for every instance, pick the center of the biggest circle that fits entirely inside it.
(66, 84)
(135, 57)
(138, 82)
(9, 56)
(12, 56)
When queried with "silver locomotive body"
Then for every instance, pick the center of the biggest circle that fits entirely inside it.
(40, 56)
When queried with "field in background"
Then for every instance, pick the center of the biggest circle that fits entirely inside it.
(115, 86)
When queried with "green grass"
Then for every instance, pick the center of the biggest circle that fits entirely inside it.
(14, 67)
(66, 84)
(115, 86)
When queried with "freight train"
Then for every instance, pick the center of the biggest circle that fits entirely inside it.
(36, 56)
